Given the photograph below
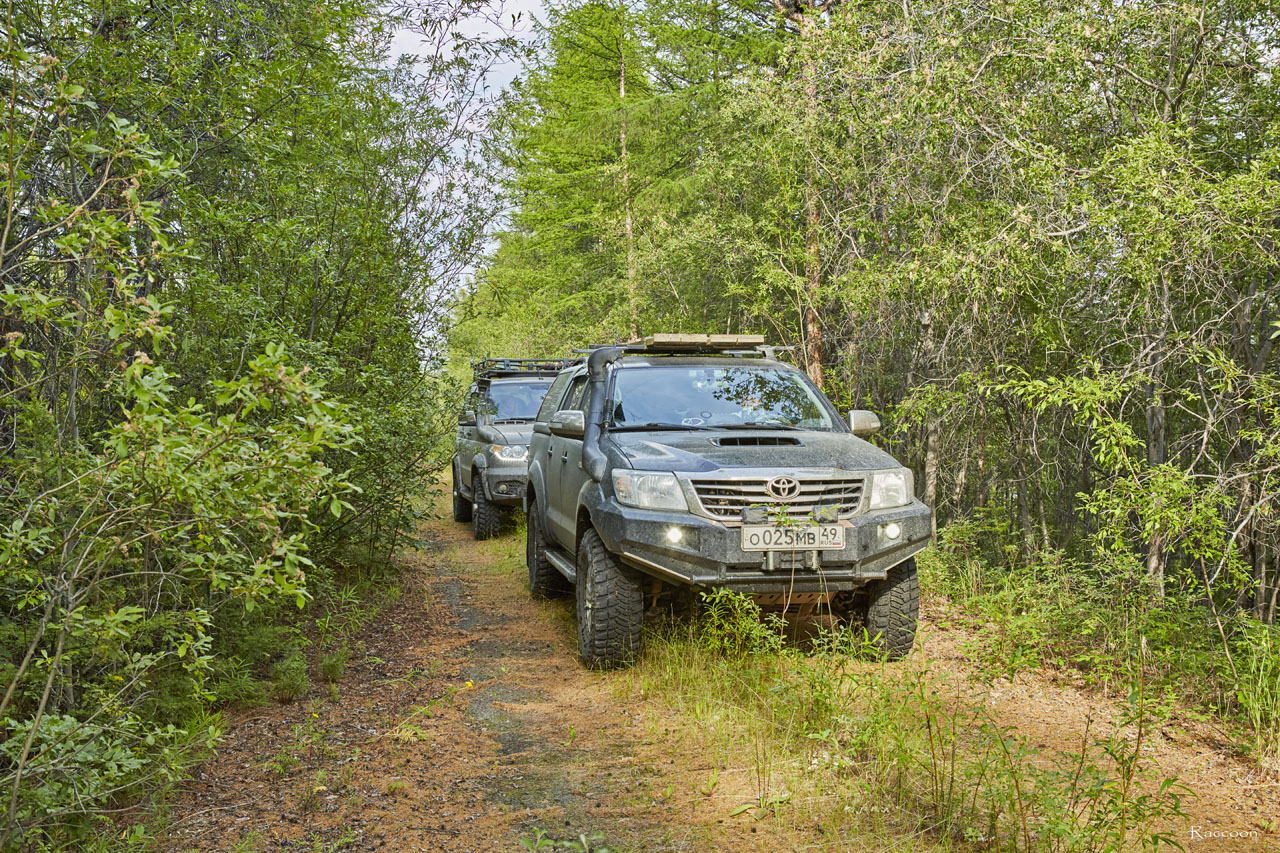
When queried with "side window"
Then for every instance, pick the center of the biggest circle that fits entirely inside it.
(469, 401)
(551, 402)
(485, 407)
(575, 399)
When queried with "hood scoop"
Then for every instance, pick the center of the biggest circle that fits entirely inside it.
(756, 441)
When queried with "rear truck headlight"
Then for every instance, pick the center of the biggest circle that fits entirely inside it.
(510, 452)
(648, 490)
(891, 488)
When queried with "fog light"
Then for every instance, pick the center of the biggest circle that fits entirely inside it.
(892, 530)
(502, 487)
(675, 535)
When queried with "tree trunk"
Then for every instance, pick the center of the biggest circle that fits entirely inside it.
(813, 232)
(627, 224)
(957, 488)
(1157, 444)
(931, 473)
(933, 426)
(805, 17)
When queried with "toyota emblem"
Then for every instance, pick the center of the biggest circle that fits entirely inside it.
(783, 488)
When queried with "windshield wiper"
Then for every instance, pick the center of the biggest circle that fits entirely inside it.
(510, 420)
(654, 426)
(757, 425)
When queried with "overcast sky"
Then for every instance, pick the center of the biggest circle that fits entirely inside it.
(522, 11)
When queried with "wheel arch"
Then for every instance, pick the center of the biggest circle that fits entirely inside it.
(582, 523)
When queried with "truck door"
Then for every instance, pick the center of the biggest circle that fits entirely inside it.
(465, 446)
(564, 462)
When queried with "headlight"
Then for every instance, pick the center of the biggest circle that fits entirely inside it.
(510, 452)
(648, 491)
(891, 488)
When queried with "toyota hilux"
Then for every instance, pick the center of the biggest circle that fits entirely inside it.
(701, 461)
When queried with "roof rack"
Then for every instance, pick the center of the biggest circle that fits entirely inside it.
(681, 342)
(490, 368)
(692, 344)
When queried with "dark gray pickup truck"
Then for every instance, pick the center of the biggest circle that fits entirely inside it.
(697, 460)
(490, 451)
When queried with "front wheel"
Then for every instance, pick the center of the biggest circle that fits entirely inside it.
(893, 610)
(486, 517)
(544, 580)
(610, 606)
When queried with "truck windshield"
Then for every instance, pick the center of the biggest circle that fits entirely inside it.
(515, 401)
(715, 397)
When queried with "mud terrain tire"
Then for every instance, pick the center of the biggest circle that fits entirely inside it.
(486, 516)
(461, 506)
(610, 606)
(545, 581)
(893, 609)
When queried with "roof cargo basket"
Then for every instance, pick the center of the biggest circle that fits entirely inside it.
(490, 368)
(695, 343)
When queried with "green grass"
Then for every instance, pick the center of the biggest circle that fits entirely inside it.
(1103, 628)
(870, 751)
(333, 665)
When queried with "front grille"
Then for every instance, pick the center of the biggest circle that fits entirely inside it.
(726, 499)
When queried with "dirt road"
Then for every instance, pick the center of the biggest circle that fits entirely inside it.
(468, 725)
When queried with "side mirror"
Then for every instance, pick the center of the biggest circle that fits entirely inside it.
(467, 418)
(568, 423)
(863, 422)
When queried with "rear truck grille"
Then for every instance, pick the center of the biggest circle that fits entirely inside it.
(726, 499)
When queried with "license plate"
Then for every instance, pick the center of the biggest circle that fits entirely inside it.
(800, 537)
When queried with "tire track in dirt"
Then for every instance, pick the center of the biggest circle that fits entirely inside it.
(467, 726)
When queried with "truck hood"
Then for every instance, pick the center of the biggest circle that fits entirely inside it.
(521, 433)
(708, 451)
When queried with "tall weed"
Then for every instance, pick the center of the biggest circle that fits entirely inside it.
(1258, 689)
(866, 748)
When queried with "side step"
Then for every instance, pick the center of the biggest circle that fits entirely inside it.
(563, 565)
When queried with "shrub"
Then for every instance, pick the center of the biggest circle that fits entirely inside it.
(333, 664)
(731, 624)
(289, 681)
(233, 683)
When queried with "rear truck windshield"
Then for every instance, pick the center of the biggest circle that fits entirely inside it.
(515, 401)
(735, 397)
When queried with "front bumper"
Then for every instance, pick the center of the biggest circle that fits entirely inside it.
(711, 554)
(505, 482)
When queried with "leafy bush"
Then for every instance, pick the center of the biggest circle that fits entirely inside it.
(65, 759)
(731, 624)
(213, 505)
